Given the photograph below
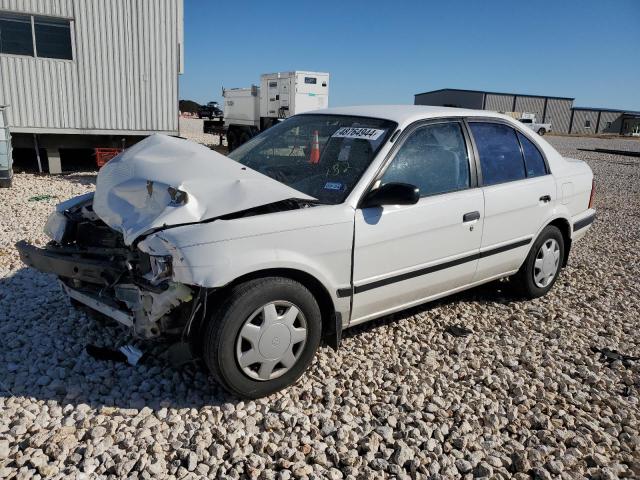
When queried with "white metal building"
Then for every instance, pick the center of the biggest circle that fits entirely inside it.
(89, 73)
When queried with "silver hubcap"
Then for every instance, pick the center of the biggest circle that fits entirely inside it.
(546, 264)
(271, 340)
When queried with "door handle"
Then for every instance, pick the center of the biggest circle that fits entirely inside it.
(545, 198)
(470, 217)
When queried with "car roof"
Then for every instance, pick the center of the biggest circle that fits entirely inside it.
(404, 114)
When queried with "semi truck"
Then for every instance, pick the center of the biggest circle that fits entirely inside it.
(249, 111)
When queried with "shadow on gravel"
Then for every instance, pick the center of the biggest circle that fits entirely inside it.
(493, 292)
(43, 356)
(86, 179)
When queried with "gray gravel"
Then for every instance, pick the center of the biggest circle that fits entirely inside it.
(523, 396)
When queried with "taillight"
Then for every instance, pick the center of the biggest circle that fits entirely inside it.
(593, 193)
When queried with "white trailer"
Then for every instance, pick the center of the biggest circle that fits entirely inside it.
(248, 111)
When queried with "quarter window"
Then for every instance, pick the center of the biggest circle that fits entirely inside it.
(15, 34)
(434, 158)
(499, 150)
(533, 160)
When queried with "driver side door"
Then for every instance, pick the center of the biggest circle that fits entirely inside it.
(407, 254)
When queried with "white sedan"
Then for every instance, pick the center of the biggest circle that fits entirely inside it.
(324, 221)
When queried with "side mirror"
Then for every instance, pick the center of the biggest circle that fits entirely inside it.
(392, 194)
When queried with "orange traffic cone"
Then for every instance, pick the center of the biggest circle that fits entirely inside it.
(314, 156)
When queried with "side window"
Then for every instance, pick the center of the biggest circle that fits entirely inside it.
(499, 150)
(434, 159)
(533, 160)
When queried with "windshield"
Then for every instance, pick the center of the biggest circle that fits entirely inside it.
(323, 156)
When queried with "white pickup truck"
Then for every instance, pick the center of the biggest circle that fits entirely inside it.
(539, 128)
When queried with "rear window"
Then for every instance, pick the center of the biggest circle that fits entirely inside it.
(500, 156)
(533, 159)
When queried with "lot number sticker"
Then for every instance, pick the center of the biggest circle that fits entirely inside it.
(357, 132)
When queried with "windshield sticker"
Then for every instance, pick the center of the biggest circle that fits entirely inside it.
(333, 186)
(345, 151)
(357, 132)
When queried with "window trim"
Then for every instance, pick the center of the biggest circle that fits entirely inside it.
(32, 17)
(524, 159)
(474, 181)
(481, 183)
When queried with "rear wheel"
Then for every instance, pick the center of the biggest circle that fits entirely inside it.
(542, 266)
(541, 131)
(263, 337)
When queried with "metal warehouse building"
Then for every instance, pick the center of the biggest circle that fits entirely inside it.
(559, 111)
(89, 73)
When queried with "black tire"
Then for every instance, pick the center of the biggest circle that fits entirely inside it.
(244, 138)
(541, 131)
(231, 141)
(524, 281)
(223, 329)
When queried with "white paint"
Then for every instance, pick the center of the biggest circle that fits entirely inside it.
(318, 240)
(132, 189)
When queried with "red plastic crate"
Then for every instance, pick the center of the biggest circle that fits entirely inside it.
(103, 155)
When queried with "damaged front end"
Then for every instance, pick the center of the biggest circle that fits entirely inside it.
(97, 270)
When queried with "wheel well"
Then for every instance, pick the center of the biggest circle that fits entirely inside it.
(565, 228)
(327, 309)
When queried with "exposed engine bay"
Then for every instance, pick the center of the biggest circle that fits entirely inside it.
(98, 270)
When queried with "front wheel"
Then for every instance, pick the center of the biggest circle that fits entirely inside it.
(263, 337)
(541, 131)
(542, 266)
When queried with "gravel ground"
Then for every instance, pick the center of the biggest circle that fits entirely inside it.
(191, 128)
(523, 396)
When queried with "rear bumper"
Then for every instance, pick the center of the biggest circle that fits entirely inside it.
(585, 220)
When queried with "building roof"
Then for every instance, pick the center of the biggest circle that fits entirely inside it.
(494, 93)
(404, 114)
(595, 109)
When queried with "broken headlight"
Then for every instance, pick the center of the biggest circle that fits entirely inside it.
(56, 226)
(160, 268)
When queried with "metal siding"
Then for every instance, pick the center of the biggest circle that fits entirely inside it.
(499, 103)
(609, 117)
(58, 8)
(558, 115)
(530, 105)
(579, 118)
(124, 75)
(449, 98)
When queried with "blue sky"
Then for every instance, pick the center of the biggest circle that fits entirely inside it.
(386, 51)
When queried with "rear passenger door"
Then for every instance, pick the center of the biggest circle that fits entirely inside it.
(519, 195)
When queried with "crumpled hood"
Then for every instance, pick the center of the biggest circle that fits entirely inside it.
(141, 189)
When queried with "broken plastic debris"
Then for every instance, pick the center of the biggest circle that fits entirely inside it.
(610, 355)
(458, 331)
(126, 354)
(133, 354)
